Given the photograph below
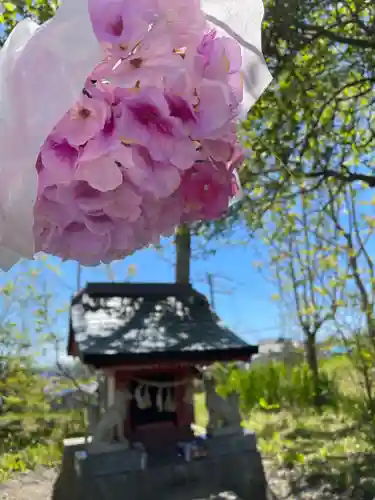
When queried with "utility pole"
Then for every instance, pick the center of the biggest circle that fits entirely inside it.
(78, 277)
(110, 273)
(210, 281)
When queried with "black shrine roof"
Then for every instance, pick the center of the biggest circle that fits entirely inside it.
(129, 323)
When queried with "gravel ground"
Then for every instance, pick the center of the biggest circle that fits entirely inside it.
(289, 485)
(284, 485)
(29, 486)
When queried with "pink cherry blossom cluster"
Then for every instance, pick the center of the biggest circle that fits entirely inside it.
(152, 141)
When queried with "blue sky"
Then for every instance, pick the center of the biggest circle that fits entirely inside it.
(242, 295)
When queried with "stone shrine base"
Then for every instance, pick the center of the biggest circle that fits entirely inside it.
(232, 463)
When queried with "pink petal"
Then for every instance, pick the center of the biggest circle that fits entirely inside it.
(217, 149)
(214, 110)
(123, 238)
(184, 155)
(59, 160)
(125, 204)
(102, 174)
(99, 223)
(55, 213)
(165, 180)
(85, 246)
(86, 119)
(89, 199)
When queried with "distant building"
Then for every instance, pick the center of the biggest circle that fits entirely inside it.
(286, 350)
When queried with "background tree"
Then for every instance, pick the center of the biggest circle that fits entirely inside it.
(306, 270)
(349, 213)
(315, 123)
(39, 10)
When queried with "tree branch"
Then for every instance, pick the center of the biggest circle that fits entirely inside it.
(348, 177)
(336, 37)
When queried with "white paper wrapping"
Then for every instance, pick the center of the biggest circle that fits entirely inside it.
(242, 20)
(42, 72)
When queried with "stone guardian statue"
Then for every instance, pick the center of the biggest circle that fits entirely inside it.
(223, 413)
(112, 420)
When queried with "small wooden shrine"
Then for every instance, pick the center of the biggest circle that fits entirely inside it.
(149, 339)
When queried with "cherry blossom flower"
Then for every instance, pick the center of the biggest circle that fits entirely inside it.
(149, 63)
(102, 173)
(116, 21)
(160, 179)
(214, 112)
(219, 57)
(152, 141)
(146, 121)
(77, 242)
(206, 190)
(86, 119)
(57, 161)
(125, 203)
(183, 20)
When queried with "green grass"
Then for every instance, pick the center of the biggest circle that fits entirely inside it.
(342, 369)
(328, 447)
(333, 446)
(30, 444)
(45, 455)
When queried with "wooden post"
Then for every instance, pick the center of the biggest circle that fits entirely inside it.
(183, 253)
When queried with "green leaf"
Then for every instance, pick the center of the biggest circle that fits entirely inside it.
(9, 6)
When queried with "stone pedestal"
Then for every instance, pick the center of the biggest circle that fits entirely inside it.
(113, 461)
(228, 444)
(67, 484)
(232, 463)
(239, 465)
